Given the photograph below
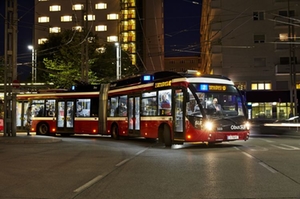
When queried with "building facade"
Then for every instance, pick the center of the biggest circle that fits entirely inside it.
(254, 43)
(136, 25)
(181, 64)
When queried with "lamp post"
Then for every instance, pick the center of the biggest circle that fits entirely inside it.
(33, 63)
(118, 61)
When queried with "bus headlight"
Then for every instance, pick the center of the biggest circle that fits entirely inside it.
(247, 125)
(208, 125)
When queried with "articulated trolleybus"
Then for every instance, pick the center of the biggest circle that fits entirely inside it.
(174, 108)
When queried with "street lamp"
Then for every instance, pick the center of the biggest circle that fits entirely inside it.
(33, 63)
(118, 62)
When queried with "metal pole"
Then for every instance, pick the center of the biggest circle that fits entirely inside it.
(293, 90)
(118, 61)
(10, 65)
(35, 64)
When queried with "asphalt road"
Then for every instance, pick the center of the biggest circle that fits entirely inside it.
(99, 167)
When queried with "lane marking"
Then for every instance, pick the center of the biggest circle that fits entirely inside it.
(285, 147)
(122, 162)
(247, 154)
(268, 167)
(88, 184)
(99, 177)
(257, 160)
(141, 151)
(127, 159)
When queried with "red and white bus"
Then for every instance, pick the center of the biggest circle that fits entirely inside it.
(172, 107)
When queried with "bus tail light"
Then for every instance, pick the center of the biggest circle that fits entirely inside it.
(189, 137)
(53, 130)
(94, 130)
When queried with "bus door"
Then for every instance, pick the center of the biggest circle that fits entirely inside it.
(21, 115)
(65, 116)
(134, 116)
(178, 116)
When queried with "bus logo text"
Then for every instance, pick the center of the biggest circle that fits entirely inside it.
(240, 127)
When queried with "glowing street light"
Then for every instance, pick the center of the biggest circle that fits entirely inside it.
(33, 63)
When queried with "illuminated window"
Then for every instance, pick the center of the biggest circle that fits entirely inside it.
(90, 17)
(261, 86)
(283, 36)
(100, 6)
(54, 30)
(77, 28)
(54, 8)
(112, 16)
(43, 19)
(42, 40)
(101, 28)
(78, 7)
(66, 18)
(112, 38)
(241, 85)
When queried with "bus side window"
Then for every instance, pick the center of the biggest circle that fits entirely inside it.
(149, 106)
(121, 109)
(113, 106)
(83, 108)
(165, 103)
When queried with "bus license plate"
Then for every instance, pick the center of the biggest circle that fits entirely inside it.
(232, 137)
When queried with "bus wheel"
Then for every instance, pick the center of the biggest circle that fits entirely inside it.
(167, 136)
(42, 129)
(115, 132)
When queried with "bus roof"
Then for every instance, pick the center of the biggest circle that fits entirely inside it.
(162, 76)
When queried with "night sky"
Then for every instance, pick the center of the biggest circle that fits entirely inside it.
(182, 29)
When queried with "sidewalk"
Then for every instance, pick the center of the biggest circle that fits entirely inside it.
(22, 138)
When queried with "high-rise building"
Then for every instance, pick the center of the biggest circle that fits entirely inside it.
(136, 24)
(256, 44)
(252, 42)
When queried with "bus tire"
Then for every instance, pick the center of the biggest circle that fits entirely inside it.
(167, 136)
(115, 132)
(42, 129)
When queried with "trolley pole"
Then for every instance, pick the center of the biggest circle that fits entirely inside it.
(10, 67)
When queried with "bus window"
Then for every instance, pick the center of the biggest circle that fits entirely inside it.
(121, 109)
(50, 108)
(113, 105)
(83, 107)
(149, 103)
(164, 97)
(94, 107)
(38, 108)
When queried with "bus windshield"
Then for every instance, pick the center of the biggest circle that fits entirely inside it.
(216, 103)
